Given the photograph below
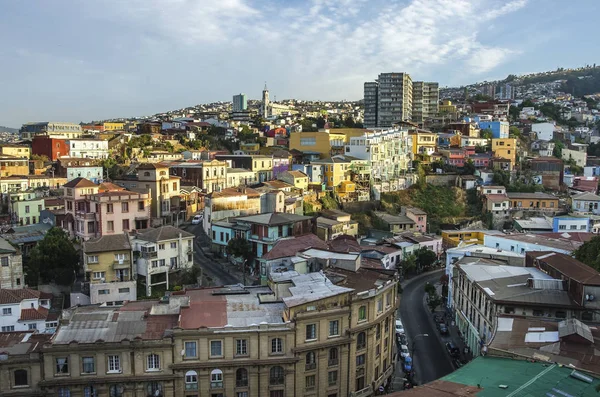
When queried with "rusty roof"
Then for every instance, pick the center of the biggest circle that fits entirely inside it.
(568, 266)
(290, 246)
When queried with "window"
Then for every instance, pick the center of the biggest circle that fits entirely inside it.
(241, 377)
(362, 313)
(380, 305)
(311, 332)
(161, 247)
(20, 378)
(7, 328)
(27, 209)
(141, 205)
(173, 244)
(216, 379)
(6, 311)
(561, 314)
(311, 362)
(360, 360)
(244, 393)
(116, 391)
(361, 341)
(333, 356)
(103, 292)
(241, 347)
(276, 345)
(31, 326)
(377, 350)
(190, 349)
(378, 331)
(125, 224)
(89, 391)
(276, 393)
(98, 275)
(62, 365)
(153, 362)
(276, 376)
(109, 208)
(110, 226)
(88, 365)
(92, 259)
(334, 328)
(4, 261)
(64, 392)
(191, 380)
(216, 348)
(309, 382)
(114, 363)
(332, 378)
(123, 290)
(125, 207)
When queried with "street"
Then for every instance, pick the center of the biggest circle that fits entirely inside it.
(430, 359)
(216, 272)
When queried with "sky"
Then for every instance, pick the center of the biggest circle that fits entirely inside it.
(74, 60)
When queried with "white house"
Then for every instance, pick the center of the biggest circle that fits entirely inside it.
(162, 252)
(11, 266)
(585, 202)
(91, 172)
(25, 309)
(522, 243)
(544, 131)
(88, 148)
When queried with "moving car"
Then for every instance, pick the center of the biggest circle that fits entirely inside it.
(452, 349)
(443, 329)
(197, 220)
(404, 352)
(399, 326)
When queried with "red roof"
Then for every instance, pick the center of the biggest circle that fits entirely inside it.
(41, 313)
(290, 246)
(80, 182)
(8, 296)
(205, 310)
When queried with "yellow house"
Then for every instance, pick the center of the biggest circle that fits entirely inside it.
(108, 269)
(325, 142)
(334, 171)
(424, 142)
(20, 151)
(297, 178)
(250, 147)
(453, 238)
(505, 148)
(113, 126)
(447, 107)
(346, 190)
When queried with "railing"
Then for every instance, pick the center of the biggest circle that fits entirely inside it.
(361, 346)
(333, 362)
(367, 391)
(311, 366)
(216, 385)
(241, 383)
(149, 254)
(191, 386)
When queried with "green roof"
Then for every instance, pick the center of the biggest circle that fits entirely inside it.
(523, 378)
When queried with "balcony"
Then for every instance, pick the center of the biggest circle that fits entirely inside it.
(241, 383)
(216, 385)
(277, 380)
(311, 366)
(121, 264)
(266, 239)
(191, 386)
(90, 216)
(333, 362)
(149, 254)
(367, 391)
(361, 346)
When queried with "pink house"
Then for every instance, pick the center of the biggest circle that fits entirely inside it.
(418, 216)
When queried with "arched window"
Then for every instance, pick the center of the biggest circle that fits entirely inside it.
(116, 391)
(20, 378)
(311, 362)
(216, 379)
(333, 356)
(163, 173)
(191, 380)
(241, 377)
(277, 376)
(146, 173)
(90, 391)
(361, 340)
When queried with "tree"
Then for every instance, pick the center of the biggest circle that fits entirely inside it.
(425, 257)
(501, 178)
(408, 264)
(239, 247)
(589, 253)
(558, 148)
(514, 132)
(486, 133)
(429, 289)
(468, 168)
(433, 301)
(349, 122)
(320, 122)
(54, 259)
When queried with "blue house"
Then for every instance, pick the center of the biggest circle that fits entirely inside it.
(570, 223)
(499, 128)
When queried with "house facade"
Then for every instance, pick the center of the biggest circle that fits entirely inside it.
(25, 309)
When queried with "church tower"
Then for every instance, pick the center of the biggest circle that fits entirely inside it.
(265, 102)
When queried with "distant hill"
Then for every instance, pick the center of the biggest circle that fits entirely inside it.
(7, 129)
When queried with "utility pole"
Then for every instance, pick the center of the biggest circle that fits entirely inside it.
(244, 272)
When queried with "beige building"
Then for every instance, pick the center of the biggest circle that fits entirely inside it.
(334, 223)
(164, 191)
(21, 363)
(425, 101)
(20, 151)
(11, 266)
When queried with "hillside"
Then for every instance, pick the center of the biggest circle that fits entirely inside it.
(7, 129)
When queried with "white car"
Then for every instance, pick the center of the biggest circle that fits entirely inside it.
(399, 327)
(197, 220)
(404, 351)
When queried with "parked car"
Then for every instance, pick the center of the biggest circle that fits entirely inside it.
(401, 339)
(197, 220)
(404, 352)
(399, 326)
(438, 318)
(452, 349)
(407, 366)
(443, 329)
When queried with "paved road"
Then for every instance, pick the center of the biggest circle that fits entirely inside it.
(431, 361)
(215, 271)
